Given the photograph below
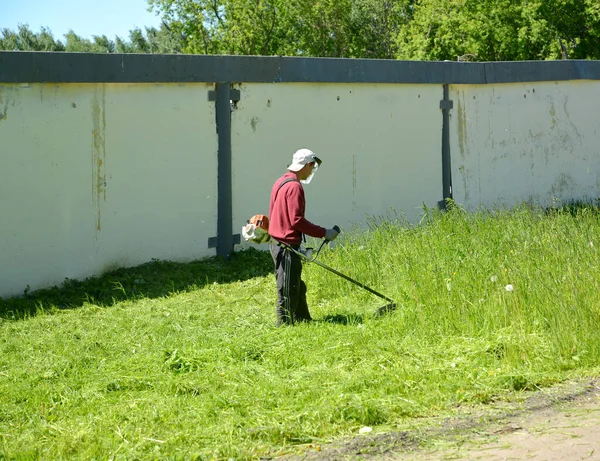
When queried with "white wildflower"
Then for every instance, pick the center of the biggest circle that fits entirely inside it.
(494, 278)
(509, 287)
(365, 430)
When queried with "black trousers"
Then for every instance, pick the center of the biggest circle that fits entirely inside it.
(291, 290)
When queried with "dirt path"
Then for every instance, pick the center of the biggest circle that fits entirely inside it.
(562, 423)
(560, 431)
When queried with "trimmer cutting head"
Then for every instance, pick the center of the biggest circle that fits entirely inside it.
(387, 308)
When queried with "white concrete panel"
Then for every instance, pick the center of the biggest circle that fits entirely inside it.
(535, 142)
(380, 145)
(98, 176)
(46, 220)
(155, 173)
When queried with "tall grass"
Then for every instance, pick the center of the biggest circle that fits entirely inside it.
(185, 362)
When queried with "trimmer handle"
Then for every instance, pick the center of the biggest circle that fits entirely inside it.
(331, 234)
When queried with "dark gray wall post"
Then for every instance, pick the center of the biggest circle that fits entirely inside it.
(224, 171)
(446, 105)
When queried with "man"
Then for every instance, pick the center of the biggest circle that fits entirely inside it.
(287, 225)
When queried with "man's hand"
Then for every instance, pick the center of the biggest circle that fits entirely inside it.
(331, 234)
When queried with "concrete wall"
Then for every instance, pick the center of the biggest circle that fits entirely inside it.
(536, 142)
(113, 160)
(96, 176)
(380, 146)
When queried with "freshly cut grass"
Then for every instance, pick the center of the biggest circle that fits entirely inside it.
(183, 361)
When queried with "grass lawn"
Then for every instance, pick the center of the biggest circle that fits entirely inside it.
(183, 361)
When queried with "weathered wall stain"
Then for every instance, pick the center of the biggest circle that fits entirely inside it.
(573, 125)
(254, 123)
(353, 182)
(462, 126)
(3, 105)
(552, 112)
(466, 189)
(565, 134)
(462, 138)
(564, 183)
(99, 151)
(536, 149)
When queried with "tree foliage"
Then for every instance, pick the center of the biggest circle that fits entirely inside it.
(488, 30)
(327, 28)
(501, 30)
(473, 30)
(152, 40)
(26, 40)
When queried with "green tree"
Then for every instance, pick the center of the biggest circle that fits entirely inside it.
(137, 43)
(500, 30)
(102, 44)
(375, 25)
(26, 40)
(247, 27)
(77, 44)
(576, 26)
(491, 30)
(329, 28)
(195, 22)
(153, 40)
(164, 40)
(324, 28)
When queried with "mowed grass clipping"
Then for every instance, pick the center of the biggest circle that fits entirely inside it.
(183, 361)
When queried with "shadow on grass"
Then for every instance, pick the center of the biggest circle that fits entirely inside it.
(344, 319)
(156, 279)
(577, 208)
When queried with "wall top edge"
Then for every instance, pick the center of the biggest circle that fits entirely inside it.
(53, 67)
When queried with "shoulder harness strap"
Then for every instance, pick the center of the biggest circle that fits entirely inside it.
(283, 183)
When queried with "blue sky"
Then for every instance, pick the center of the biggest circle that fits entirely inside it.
(85, 17)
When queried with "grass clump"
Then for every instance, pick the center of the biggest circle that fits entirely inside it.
(183, 361)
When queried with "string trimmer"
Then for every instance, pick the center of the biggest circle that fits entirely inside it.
(307, 256)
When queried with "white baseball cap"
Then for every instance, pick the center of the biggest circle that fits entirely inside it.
(302, 157)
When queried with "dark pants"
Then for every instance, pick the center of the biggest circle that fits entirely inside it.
(291, 290)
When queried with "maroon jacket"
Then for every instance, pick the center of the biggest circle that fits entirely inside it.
(286, 213)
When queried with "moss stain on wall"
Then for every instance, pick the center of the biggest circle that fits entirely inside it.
(99, 151)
